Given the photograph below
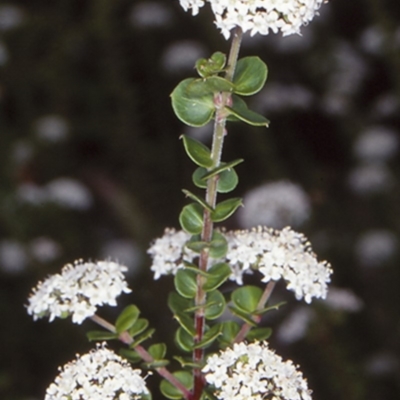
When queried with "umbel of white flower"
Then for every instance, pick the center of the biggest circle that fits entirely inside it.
(253, 371)
(276, 254)
(78, 290)
(258, 16)
(100, 374)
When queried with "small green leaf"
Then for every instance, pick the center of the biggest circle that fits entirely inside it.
(187, 362)
(156, 364)
(259, 334)
(209, 85)
(197, 177)
(212, 66)
(185, 282)
(250, 75)
(246, 317)
(172, 392)
(222, 167)
(101, 335)
(197, 246)
(139, 326)
(131, 355)
(230, 329)
(215, 305)
(193, 111)
(197, 199)
(191, 218)
(184, 340)
(178, 304)
(186, 323)
(199, 153)
(227, 181)
(217, 275)
(246, 298)
(209, 336)
(240, 110)
(218, 245)
(127, 318)
(158, 350)
(225, 209)
(141, 338)
(270, 308)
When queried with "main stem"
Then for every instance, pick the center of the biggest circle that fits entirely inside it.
(221, 100)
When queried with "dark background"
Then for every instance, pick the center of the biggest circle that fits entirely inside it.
(100, 76)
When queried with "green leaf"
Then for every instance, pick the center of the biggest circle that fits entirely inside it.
(131, 355)
(192, 111)
(246, 298)
(215, 305)
(186, 323)
(184, 340)
(127, 318)
(225, 209)
(191, 218)
(259, 334)
(227, 181)
(197, 245)
(246, 317)
(185, 282)
(230, 329)
(139, 326)
(209, 85)
(178, 304)
(218, 245)
(209, 336)
(270, 308)
(199, 153)
(212, 66)
(217, 275)
(222, 167)
(158, 350)
(240, 110)
(197, 177)
(141, 338)
(250, 75)
(187, 362)
(101, 335)
(170, 391)
(200, 201)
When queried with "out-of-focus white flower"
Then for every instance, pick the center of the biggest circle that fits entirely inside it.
(10, 17)
(31, 193)
(370, 178)
(343, 300)
(52, 128)
(169, 253)
(45, 249)
(280, 97)
(372, 40)
(22, 152)
(295, 326)
(78, 290)
(258, 16)
(69, 193)
(150, 14)
(386, 105)
(182, 56)
(13, 258)
(123, 251)
(382, 364)
(275, 204)
(99, 374)
(276, 254)
(253, 371)
(376, 144)
(374, 248)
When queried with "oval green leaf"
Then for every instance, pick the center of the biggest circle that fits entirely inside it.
(209, 336)
(240, 110)
(225, 209)
(215, 305)
(218, 245)
(127, 318)
(191, 218)
(170, 391)
(184, 340)
(185, 281)
(250, 75)
(178, 304)
(259, 334)
(199, 153)
(229, 331)
(140, 325)
(192, 111)
(217, 275)
(158, 350)
(246, 298)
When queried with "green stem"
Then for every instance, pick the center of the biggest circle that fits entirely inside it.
(126, 338)
(221, 100)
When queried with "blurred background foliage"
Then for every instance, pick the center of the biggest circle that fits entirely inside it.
(92, 167)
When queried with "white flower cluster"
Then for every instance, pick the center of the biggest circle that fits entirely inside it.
(169, 252)
(258, 16)
(100, 374)
(279, 254)
(275, 253)
(253, 371)
(78, 290)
